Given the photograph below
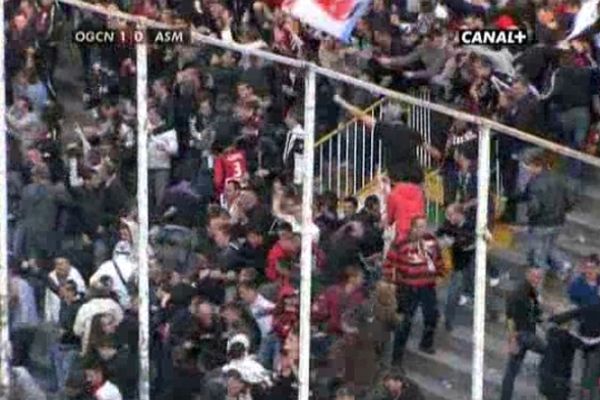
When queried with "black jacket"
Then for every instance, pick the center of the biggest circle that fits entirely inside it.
(557, 363)
(548, 200)
(523, 308)
(66, 318)
(570, 87)
(589, 323)
(535, 60)
(185, 385)
(463, 248)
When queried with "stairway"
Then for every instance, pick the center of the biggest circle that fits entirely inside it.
(447, 374)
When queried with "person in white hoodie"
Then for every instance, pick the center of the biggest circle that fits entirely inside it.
(101, 304)
(240, 360)
(162, 147)
(122, 267)
(62, 273)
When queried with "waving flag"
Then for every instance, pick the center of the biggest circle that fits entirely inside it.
(335, 17)
(585, 18)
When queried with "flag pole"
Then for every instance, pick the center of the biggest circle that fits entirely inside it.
(306, 257)
(4, 296)
(142, 212)
(483, 188)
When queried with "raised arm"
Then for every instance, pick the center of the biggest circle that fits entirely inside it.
(356, 112)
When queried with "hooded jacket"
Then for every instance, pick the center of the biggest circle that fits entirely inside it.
(549, 200)
(405, 202)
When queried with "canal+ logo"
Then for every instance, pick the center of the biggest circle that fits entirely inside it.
(509, 37)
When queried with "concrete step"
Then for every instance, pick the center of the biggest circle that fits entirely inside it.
(454, 369)
(433, 389)
(447, 374)
(568, 243)
(583, 223)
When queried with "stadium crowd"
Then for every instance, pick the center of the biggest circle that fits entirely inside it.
(226, 209)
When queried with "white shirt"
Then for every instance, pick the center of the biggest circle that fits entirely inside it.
(108, 391)
(262, 309)
(161, 147)
(52, 303)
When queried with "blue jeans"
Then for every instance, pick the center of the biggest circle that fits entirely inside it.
(268, 350)
(575, 124)
(62, 357)
(591, 372)
(542, 250)
(409, 299)
(526, 341)
(461, 281)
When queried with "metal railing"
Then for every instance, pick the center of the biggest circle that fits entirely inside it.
(349, 159)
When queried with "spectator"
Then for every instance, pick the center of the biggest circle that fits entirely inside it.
(39, 206)
(63, 272)
(64, 353)
(413, 264)
(337, 299)
(350, 206)
(397, 386)
(262, 311)
(163, 146)
(523, 315)
(583, 290)
(557, 362)
(460, 231)
(548, 201)
(98, 384)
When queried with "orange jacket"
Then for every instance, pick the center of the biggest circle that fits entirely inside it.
(405, 202)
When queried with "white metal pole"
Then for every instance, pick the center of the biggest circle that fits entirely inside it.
(307, 234)
(4, 328)
(142, 209)
(483, 188)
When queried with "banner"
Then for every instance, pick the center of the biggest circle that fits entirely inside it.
(335, 17)
(585, 18)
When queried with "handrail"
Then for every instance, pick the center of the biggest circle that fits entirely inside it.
(344, 125)
(497, 127)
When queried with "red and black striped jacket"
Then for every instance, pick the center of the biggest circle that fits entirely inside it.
(415, 264)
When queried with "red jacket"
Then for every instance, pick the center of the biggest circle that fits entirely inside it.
(231, 165)
(415, 264)
(331, 305)
(276, 255)
(405, 201)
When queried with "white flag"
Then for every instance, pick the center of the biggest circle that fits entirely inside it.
(335, 17)
(586, 17)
